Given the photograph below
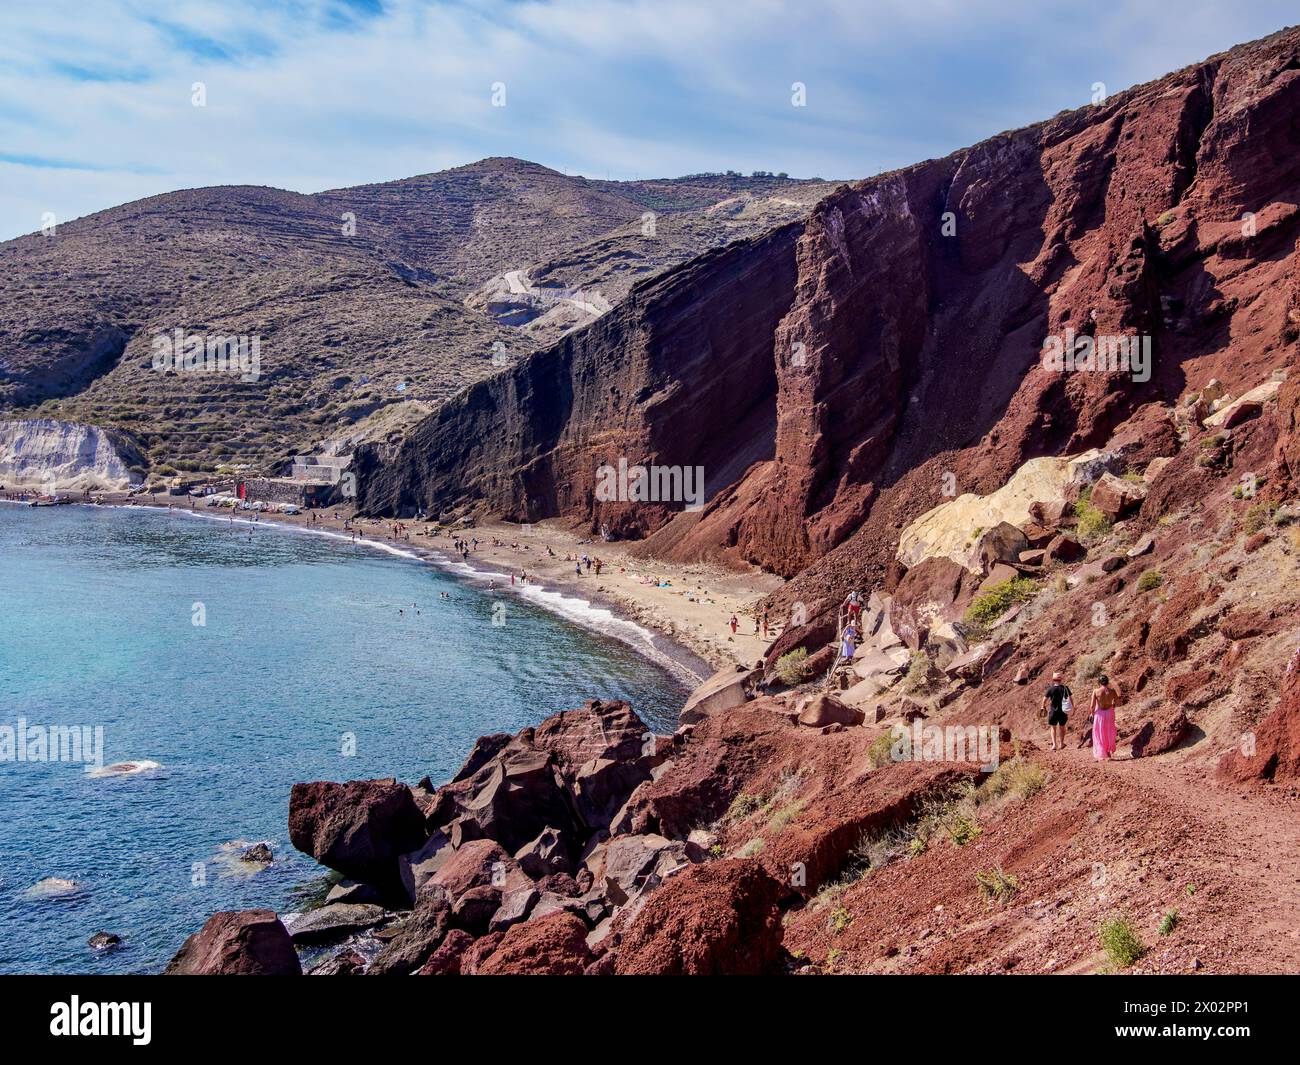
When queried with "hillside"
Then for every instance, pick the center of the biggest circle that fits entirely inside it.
(363, 299)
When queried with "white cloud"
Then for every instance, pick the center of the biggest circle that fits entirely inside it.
(300, 97)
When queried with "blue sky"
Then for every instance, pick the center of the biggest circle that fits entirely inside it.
(96, 98)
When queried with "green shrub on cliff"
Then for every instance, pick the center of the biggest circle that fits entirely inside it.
(792, 667)
(1092, 523)
(1001, 597)
(1120, 941)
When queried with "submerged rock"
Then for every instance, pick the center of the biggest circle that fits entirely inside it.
(104, 941)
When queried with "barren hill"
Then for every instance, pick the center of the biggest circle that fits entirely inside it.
(362, 298)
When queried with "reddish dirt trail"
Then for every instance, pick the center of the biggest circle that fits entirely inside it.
(1249, 838)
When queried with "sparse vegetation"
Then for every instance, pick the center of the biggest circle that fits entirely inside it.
(997, 886)
(962, 829)
(792, 667)
(921, 674)
(840, 919)
(1256, 518)
(1086, 670)
(1120, 941)
(1092, 523)
(752, 849)
(1150, 579)
(743, 805)
(881, 750)
(1001, 597)
(1014, 777)
(1168, 923)
(784, 816)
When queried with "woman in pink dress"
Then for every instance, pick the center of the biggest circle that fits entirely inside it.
(1104, 700)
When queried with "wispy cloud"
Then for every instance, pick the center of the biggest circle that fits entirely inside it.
(310, 94)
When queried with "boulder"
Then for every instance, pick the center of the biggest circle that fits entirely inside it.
(334, 921)
(1065, 549)
(821, 710)
(980, 661)
(931, 593)
(725, 689)
(237, 943)
(1144, 546)
(103, 941)
(1250, 405)
(1001, 543)
(258, 854)
(484, 750)
(1049, 515)
(1116, 497)
(510, 798)
(515, 906)
(718, 919)
(1160, 733)
(546, 854)
(353, 891)
(359, 828)
(555, 945)
(630, 863)
(474, 909)
(416, 869)
(1270, 753)
(478, 863)
(1035, 557)
(445, 961)
(415, 940)
(999, 573)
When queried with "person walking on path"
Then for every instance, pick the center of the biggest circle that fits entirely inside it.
(849, 641)
(733, 623)
(1104, 701)
(1057, 704)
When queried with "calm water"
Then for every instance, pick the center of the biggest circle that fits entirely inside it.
(302, 645)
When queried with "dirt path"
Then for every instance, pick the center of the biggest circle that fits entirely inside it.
(1249, 838)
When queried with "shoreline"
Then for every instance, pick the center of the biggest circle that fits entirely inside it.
(676, 615)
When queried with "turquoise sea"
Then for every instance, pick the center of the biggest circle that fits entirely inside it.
(314, 659)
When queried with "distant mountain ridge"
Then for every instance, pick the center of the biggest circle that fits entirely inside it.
(366, 300)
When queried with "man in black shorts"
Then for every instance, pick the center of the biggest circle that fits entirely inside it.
(1056, 702)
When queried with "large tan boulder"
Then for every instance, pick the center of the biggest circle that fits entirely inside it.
(954, 529)
(822, 710)
(725, 689)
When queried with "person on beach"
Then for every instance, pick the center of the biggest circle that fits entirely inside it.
(577, 568)
(1104, 701)
(1057, 704)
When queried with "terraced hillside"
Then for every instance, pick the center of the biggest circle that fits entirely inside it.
(366, 302)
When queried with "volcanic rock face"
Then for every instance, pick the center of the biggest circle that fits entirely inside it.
(680, 375)
(1272, 753)
(907, 358)
(245, 943)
